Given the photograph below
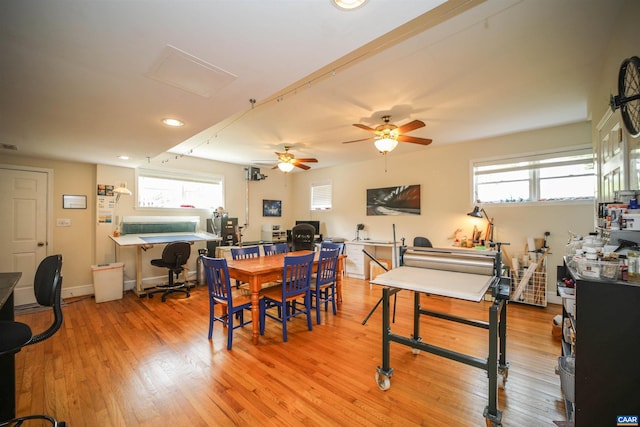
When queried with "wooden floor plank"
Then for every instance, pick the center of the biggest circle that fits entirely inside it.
(140, 362)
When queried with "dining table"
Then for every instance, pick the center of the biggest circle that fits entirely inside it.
(265, 269)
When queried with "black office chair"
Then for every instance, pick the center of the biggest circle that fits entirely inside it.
(302, 237)
(174, 256)
(47, 286)
(422, 242)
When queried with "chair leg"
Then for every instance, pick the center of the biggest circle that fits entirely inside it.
(229, 331)
(211, 316)
(285, 318)
(333, 299)
(307, 303)
(263, 316)
(317, 297)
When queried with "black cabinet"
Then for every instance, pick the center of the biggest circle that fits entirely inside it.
(607, 351)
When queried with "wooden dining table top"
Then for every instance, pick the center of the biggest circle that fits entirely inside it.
(263, 264)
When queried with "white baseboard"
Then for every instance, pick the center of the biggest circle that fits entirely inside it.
(129, 285)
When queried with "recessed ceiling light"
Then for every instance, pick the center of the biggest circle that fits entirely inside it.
(348, 4)
(123, 157)
(173, 122)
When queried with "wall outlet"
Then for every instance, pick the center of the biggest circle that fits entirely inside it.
(63, 222)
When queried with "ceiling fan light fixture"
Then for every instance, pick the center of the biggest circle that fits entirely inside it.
(285, 167)
(348, 4)
(386, 144)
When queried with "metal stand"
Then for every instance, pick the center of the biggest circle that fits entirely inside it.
(364, 322)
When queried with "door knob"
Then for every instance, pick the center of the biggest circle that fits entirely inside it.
(40, 244)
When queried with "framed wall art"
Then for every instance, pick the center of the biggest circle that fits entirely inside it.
(70, 201)
(272, 208)
(400, 200)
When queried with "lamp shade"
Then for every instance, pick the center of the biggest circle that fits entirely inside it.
(285, 167)
(476, 212)
(122, 190)
(385, 144)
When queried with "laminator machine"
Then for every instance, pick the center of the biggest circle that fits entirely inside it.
(455, 273)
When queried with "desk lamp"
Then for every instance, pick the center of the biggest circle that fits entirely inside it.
(478, 212)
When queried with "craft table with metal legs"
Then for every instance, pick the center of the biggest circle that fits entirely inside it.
(495, 364)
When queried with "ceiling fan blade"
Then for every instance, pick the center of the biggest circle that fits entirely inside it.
(414, 140)
(301, 166)
(307, 160)
(365, 127)
(416, 124)
(359, 140)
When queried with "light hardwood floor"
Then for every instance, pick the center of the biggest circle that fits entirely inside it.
(141, 362)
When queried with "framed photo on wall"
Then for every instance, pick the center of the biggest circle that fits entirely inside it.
(399, 200)
(272, 208)
(70, 201)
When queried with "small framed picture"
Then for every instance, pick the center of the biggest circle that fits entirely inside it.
(272, 208)
(70, 201)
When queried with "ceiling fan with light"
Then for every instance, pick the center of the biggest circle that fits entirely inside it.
(388, 135)
(287, 161)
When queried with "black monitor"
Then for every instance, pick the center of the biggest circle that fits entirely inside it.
(316, 224)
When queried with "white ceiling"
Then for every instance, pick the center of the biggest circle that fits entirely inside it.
(91, 80)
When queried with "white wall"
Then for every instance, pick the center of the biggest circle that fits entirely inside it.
(443, 172)
(239, 193)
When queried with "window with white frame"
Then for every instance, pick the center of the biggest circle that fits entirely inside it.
(321, 195)
(559, 175)
(171, 189)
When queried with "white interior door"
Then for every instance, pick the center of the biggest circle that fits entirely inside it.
(23, 226)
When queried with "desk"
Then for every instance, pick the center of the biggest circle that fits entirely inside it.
(264, 269)
(146, 241)
(8, 282)
(453, 284)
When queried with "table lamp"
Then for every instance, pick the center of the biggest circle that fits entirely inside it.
(479, 212)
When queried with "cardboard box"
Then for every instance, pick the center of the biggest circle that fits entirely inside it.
(375, 269)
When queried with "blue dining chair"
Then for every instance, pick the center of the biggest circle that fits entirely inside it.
(323, 289)
(296, 282)
(275, 249)
(331, 245)
(244, 253)
(233, 303)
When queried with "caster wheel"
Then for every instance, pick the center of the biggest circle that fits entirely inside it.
(150, 296)
(502, 382)
(384, 382)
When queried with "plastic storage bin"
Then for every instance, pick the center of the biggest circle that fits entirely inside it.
(108, 281)
(567, 369)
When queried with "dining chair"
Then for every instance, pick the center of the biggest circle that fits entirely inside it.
(323, 289)
(331, 245)
(233, 303)
(174, 257)
(275, 249)
(47, 286)
(296, 282)
(244, 252)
